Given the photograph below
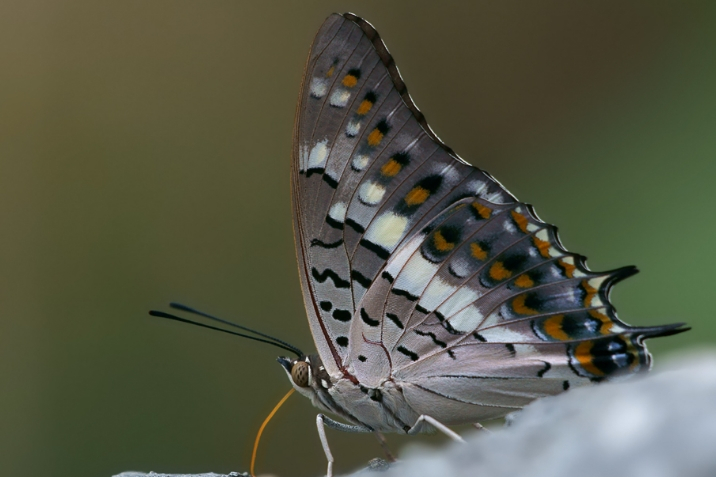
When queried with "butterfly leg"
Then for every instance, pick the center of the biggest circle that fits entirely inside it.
(321, 423)
(417, 428)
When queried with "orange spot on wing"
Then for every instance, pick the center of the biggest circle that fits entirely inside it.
(417, 196)
(391, 168)
(524, 281)
(606, 327)
(330, 71)
(568, 268)
(364, 107)
(590, 293)
(553, 327)
(375, 137)
(441, 244)
(349, 81)
(477, 252)
(518, 304)
(520, 220)
(583, 355)
(499, 272)
(542, 246)
(482, 211)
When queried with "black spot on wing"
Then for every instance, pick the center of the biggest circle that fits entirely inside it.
(367, 319)
(342, 341)
(322, 244)
(342, 315)
(383, 127)
(442, 344)
(387, 276)
(357, 276)
(511, 348)
(394, 318)
(546, 368)
(479, 337)
(377, 249)
(334, 223)
(402, 158)
(332, 183)
(406, 294)
(314, 170)
(355, 226)
(446, 324)
(328, 273)
(362, 358)
(326, 305)
(410, 354)
(565, 385)
(422, 309)
(371, 96)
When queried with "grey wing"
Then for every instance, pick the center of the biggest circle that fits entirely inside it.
(367, 174)
(484, 310)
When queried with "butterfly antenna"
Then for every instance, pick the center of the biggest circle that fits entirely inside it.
(261, 430)
(169, 316)
(188, 309)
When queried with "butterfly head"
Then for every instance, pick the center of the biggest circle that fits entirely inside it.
(307, 374)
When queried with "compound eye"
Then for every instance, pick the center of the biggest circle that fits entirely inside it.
(300, 373)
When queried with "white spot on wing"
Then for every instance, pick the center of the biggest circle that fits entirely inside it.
(387, 230)
(402, 255)
(576, 273)
(360, 162)
(318, 155)
(467, 320)
(371, 193)
(436, 292)
(319, 87)
(477, 187)
(494, 197)
(459, 300)
(338, 212)
(416, 275)
(502, 334)
(339, 98)
(460, 266)
(353, 128)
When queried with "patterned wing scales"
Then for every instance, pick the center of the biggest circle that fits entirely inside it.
(367, 174)
(487, 292)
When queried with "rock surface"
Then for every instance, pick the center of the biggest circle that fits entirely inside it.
(659, 425)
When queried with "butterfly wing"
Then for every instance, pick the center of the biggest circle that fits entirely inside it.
(484, 311)
(367, 173)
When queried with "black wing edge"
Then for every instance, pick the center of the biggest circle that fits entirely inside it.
(648, 332)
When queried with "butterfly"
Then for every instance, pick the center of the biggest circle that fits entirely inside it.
(433, 295)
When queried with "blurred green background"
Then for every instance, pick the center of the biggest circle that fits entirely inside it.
(144, 157)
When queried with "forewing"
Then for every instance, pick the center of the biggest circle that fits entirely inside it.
(367, 174)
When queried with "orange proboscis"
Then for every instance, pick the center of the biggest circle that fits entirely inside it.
(261, 430)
